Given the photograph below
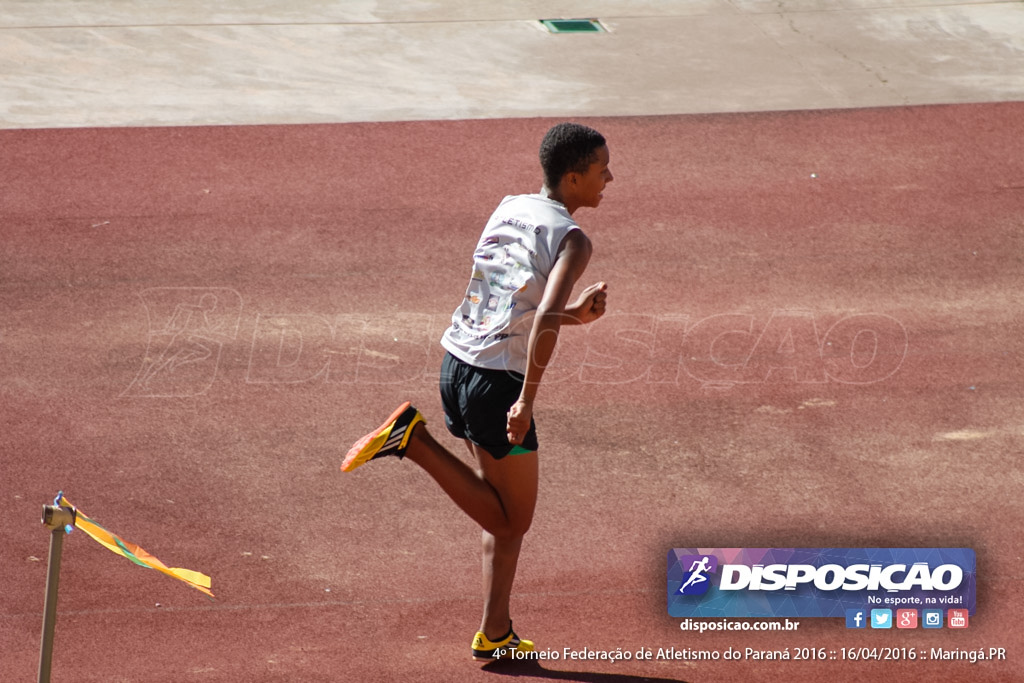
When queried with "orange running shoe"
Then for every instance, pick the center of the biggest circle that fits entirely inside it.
(391, 438)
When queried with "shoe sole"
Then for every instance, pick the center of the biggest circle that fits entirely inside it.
(488, 656)
(368, 446)
(492, 658)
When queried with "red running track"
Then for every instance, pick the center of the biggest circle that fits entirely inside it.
(197, 322)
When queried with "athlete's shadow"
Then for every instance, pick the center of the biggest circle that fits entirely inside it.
(534, 669)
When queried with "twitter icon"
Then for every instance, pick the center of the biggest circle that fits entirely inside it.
(881, 618)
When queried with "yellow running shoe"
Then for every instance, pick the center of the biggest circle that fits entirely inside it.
(485, 649)
(391, 438)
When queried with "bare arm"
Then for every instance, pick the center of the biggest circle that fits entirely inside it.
(573, 257)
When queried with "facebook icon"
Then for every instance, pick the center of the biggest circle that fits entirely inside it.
(856, 618)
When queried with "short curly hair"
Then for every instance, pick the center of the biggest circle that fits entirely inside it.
(567, 148)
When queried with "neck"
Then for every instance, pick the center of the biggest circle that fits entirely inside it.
(557, 196)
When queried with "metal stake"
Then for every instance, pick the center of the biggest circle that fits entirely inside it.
(55, 518)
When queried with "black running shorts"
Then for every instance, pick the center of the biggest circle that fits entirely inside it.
(476, 403)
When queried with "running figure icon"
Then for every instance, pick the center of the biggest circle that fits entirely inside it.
(697, 573)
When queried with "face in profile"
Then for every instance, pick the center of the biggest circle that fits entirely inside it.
(590, 185)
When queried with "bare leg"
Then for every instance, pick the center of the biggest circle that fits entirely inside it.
(515, 478)
(501, 498)
(474, 492)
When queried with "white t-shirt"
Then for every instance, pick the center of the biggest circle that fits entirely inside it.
(511, 265)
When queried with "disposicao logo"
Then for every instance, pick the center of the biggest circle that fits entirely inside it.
(817, 582)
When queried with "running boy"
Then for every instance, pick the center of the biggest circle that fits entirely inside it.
(502, 336)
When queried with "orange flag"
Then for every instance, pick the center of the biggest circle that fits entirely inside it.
(116, 544)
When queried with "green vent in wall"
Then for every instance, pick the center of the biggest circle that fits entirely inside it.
(573, 25)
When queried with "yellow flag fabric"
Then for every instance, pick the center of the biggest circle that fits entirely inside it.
(116, 544)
